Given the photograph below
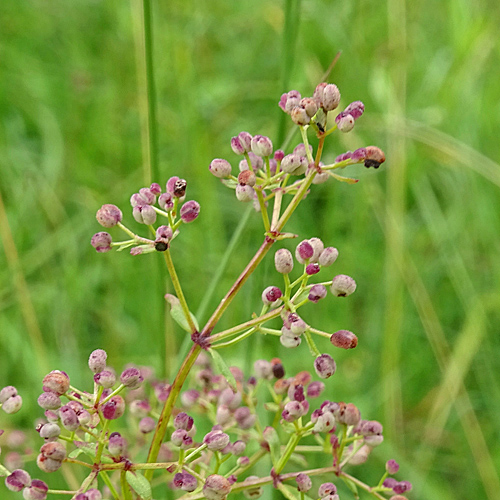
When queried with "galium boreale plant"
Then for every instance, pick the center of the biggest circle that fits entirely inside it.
(158, 452)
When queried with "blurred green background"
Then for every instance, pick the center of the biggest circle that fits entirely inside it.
(420, 235)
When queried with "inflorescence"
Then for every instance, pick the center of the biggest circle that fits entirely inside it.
(207, 441)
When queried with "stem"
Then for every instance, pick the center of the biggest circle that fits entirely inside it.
(362, 485)
(290, 447)
(151, 92)
(127, 494)
(161, 427)
(178, 289)
(109, 484)
(226, 301)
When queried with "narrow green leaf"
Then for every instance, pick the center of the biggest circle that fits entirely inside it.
(178, 314)
(343, 179)
(223, 368)
(139, 484)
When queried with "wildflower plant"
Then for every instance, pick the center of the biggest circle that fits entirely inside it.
(202, 434)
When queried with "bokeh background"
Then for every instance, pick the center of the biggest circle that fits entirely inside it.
(420, 235)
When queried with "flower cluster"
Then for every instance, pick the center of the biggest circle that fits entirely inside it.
(206, 430)
(171, 206)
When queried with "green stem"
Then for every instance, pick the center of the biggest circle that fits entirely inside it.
(102, 441)
(107, 481)
(151, 94)
(248, 324)
(127, 494)
(166, 412)
(178, 289)
(362, 485)
(310, 342)
(290, 447)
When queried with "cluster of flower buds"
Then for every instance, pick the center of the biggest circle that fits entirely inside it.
(171, 204)
(10, 400)
(33, 489)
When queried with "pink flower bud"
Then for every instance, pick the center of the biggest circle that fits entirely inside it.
(317, 293)
(220, 168)
(147, 425)
(304, 482)
(101, 242)
(144, 214)
(271, 296)
(56, 381)
(190, 211)
(304, 251)
(109, 215)
(114, 408)
(216, 487)
(328, 256)
(106, 378)
(344, 339)
(261, 145)
(97, 360)
(17, 480)
(324, 365)
(343, 285)
(131, 378)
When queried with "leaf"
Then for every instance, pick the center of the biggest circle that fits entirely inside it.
(139, 484)
(230, 183)
(223, 368)
(343, 179)
(177, 313)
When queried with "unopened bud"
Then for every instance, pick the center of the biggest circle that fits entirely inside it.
(109, 215)
(283, 261)
(343, 285)
(97, 360)
(101, 242)
(325, 366)
(216, 487)
(344, 339)
(56, 381)
(220, 168)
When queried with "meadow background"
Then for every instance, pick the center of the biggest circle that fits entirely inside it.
(420, 235)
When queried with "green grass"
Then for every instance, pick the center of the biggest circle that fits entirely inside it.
(420, 236)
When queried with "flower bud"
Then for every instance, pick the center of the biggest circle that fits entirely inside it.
(343, 285)
(17, 480)
(109, 215)
(56, 381)
(229, 398)
(101, 242)
(241, 143)
(312, 269)
(261, 145)
(279, 155)
(114, 408)
(318, 248)
(117, 444)
(263, 369)
(244, 418)
(97, 360)
(374, 157)
(166, 202)
(345, 122)
(147, 425)
(181, 438)
(69, 418)
(283, 261)
(355, 109)
(190, 211)
(391, 467)
(144, 214)
(330, 98)
(36, 491)
(106, 379)
(294, 164)
(49, 401)
(297, 325)
(271, 296)
(54, 450)
(359, 154)
(344, 339)
(277, 368)
(185, 481)
(325, 366)
(327, 489)
(304, 251)
(288, 339)
(328, 256)
(216, 487)
(190, 397)
(131, 378)
(216, 440)
(244, 193)
(7, 392)
(402, 486)
(238, 447)
(304, 482)
(220, 168)
(300, 116)
(325, 422)
(247, 178)
(12, 405)
(317, 293)
(315, 389)
(289, 100)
